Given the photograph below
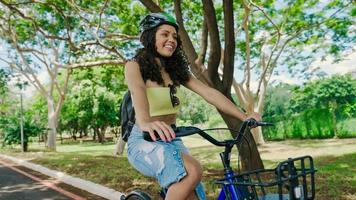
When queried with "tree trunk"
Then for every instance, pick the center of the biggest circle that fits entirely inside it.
(250, 157)
(258, 136)
(101, 135)
(25, 146)
(61, 136)
(52, 125)
(94, 134)
(333, 106)
(119, 146)
(256, 132)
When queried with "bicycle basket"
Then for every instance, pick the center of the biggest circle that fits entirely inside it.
(292, 179)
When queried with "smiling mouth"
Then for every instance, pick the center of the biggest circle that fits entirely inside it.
(169, 47)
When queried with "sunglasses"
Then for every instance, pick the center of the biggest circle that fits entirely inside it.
(173, 91)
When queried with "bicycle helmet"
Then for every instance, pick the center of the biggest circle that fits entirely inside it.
(153, 20)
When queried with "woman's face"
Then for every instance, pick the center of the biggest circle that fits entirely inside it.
(166, 40)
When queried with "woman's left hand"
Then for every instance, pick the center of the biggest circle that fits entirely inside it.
(255, 116)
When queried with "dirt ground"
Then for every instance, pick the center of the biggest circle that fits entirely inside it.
(280, 150)
(314, 148)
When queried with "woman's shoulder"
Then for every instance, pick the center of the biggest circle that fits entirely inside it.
(131, 63)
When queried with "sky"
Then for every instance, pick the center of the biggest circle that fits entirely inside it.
(330, 68)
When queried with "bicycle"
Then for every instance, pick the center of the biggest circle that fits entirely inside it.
(292, 179)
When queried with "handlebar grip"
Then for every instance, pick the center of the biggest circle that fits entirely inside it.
(265, 124)
(253, 123)
(179, 131)
(147, 136)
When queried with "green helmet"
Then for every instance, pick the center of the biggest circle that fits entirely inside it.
(156, 19)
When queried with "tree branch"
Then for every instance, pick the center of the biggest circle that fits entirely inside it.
(22, 15)
(203, 44)
(197, 69)
(91, 64)
(241, 95)
(214, 41)
(152, 6)
(100, 15)
(229, 50)
(245, 25)
(266, 15)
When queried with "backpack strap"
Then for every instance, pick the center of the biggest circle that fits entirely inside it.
(132, 117)
(131, 120)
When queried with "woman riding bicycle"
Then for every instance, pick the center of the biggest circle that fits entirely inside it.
(154, 77)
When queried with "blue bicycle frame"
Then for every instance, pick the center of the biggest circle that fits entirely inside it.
(229, 188)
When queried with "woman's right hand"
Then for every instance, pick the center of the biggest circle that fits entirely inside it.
(164, 131)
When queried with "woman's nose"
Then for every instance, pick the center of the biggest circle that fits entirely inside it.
(172, 38)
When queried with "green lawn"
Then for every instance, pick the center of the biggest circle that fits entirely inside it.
(335, 179)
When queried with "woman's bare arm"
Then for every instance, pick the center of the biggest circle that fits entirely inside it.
(217, 99)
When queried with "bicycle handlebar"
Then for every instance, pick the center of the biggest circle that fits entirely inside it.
(190, 130)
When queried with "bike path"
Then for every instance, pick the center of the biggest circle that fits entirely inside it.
(20, 179)
(17, 186)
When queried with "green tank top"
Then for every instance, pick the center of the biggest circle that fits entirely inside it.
(159, 100)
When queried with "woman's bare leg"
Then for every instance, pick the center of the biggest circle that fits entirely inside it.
(185, 189)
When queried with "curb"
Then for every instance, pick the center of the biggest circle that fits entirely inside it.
(89, 186)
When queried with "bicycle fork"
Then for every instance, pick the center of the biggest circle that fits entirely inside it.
(229, 189)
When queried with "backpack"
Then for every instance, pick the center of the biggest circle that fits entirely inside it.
(127, 114)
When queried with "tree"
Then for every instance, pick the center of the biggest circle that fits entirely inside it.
(3, 82)
(194, 110)
(257, 37)
(326, 93)
(93, 101)
(4, 78)
(10, 126)
(59, 36)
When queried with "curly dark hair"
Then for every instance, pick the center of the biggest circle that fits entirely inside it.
(177, 66)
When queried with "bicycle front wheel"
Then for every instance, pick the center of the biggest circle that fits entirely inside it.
(138, 195)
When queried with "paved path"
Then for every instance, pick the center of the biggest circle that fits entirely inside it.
(74, 188)
(21, 183)
(15, 185)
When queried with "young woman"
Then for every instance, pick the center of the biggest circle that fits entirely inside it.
(154, 77)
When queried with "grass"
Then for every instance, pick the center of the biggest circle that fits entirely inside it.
(335, 179)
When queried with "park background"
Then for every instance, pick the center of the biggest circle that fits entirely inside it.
(291, 61)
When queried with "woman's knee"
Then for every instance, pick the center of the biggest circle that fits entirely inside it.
(193, 168)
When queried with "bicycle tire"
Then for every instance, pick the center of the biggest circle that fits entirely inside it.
(138, 195)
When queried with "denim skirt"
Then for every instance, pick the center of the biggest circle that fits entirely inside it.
(161, 160)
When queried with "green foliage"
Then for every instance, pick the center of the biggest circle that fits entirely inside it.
(306, 112)
(321, 93)
(195, 110)
(4, 78)
(314, 25)
(12, 130)
(93, 99)
(71, 27)
(347, 128)
(38, 111)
